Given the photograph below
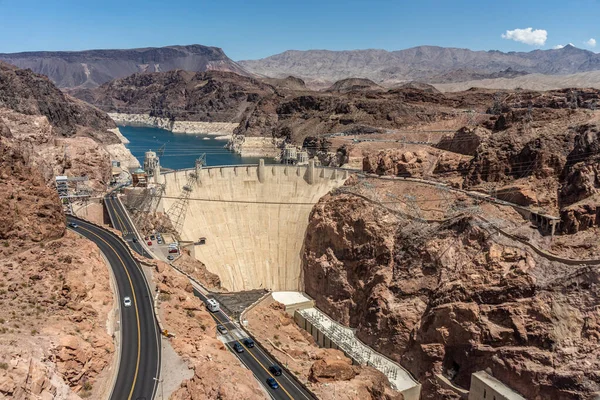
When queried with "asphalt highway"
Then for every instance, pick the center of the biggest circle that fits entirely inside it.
(119, 217)
(257, 360)
(139, 362)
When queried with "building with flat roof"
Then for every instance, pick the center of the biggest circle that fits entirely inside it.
(485, 387)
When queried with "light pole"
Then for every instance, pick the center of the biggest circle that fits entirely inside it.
(162, 395)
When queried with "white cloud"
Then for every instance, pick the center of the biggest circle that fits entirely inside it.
(560, 46)
(528, 36)
(591, 42)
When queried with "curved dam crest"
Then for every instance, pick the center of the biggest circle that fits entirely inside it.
(254, 219)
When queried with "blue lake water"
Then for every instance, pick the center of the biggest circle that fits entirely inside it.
(181, 149)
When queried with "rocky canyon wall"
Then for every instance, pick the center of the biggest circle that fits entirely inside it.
(448, 297)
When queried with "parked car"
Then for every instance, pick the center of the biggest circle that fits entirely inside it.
(152, 237)
(272, 383)
(159, 240)
(249, 343)
(238, 348)
(172, 250)
(170, 258)
(127, 301)
(275, 370)
(149, 243)
(146, 238)
(222, 330)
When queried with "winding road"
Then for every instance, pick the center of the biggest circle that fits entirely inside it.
(256, 359)
(140, 349)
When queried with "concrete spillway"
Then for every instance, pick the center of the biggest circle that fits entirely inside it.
(254, 219)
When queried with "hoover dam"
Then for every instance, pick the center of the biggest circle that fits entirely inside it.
(252, 219)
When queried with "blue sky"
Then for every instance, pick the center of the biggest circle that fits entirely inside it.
(259, 28)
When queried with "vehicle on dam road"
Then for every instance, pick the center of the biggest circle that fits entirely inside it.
(212, 305)
(127, 301)
(238, 348)
(222, 330)
(275, 370)
(249, 343)
(272, 383)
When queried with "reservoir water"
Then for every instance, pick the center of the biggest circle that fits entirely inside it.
(181, 149)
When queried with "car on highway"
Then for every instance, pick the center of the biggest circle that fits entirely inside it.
(127, 301)
(170, 258)
(73, 225)
(275, 370)
(134, 240)
(272, 383)
(222, 330)
(249, 343)
(238, 348)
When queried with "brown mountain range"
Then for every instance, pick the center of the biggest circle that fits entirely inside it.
(91, 68)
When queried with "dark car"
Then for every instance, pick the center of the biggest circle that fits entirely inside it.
(238, 348)
(275, 370)
(272, 383)
(249, 343)
(152, 237)
(73, 225)
(134, 240)
(170, 258)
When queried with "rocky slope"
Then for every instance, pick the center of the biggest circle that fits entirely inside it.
(443, 295)
(55, 314)
(590, 79)
(424, 63)
(212, 96)
(58, 134)
(327, 372)
(270, 108)
(217, 372)
(91, 68)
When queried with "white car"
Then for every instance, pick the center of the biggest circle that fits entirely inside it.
(127, 301)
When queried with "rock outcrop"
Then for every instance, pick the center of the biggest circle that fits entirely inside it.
(446, 298)
(55, 294)
(326, 372)
(57, 134)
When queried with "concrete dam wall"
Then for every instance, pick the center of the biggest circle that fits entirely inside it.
(254, 219)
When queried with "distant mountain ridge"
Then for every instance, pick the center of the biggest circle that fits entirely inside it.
(423, 63)
(91, 68)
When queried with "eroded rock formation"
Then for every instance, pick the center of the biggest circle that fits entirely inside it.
(450, 298)
(56, 302)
